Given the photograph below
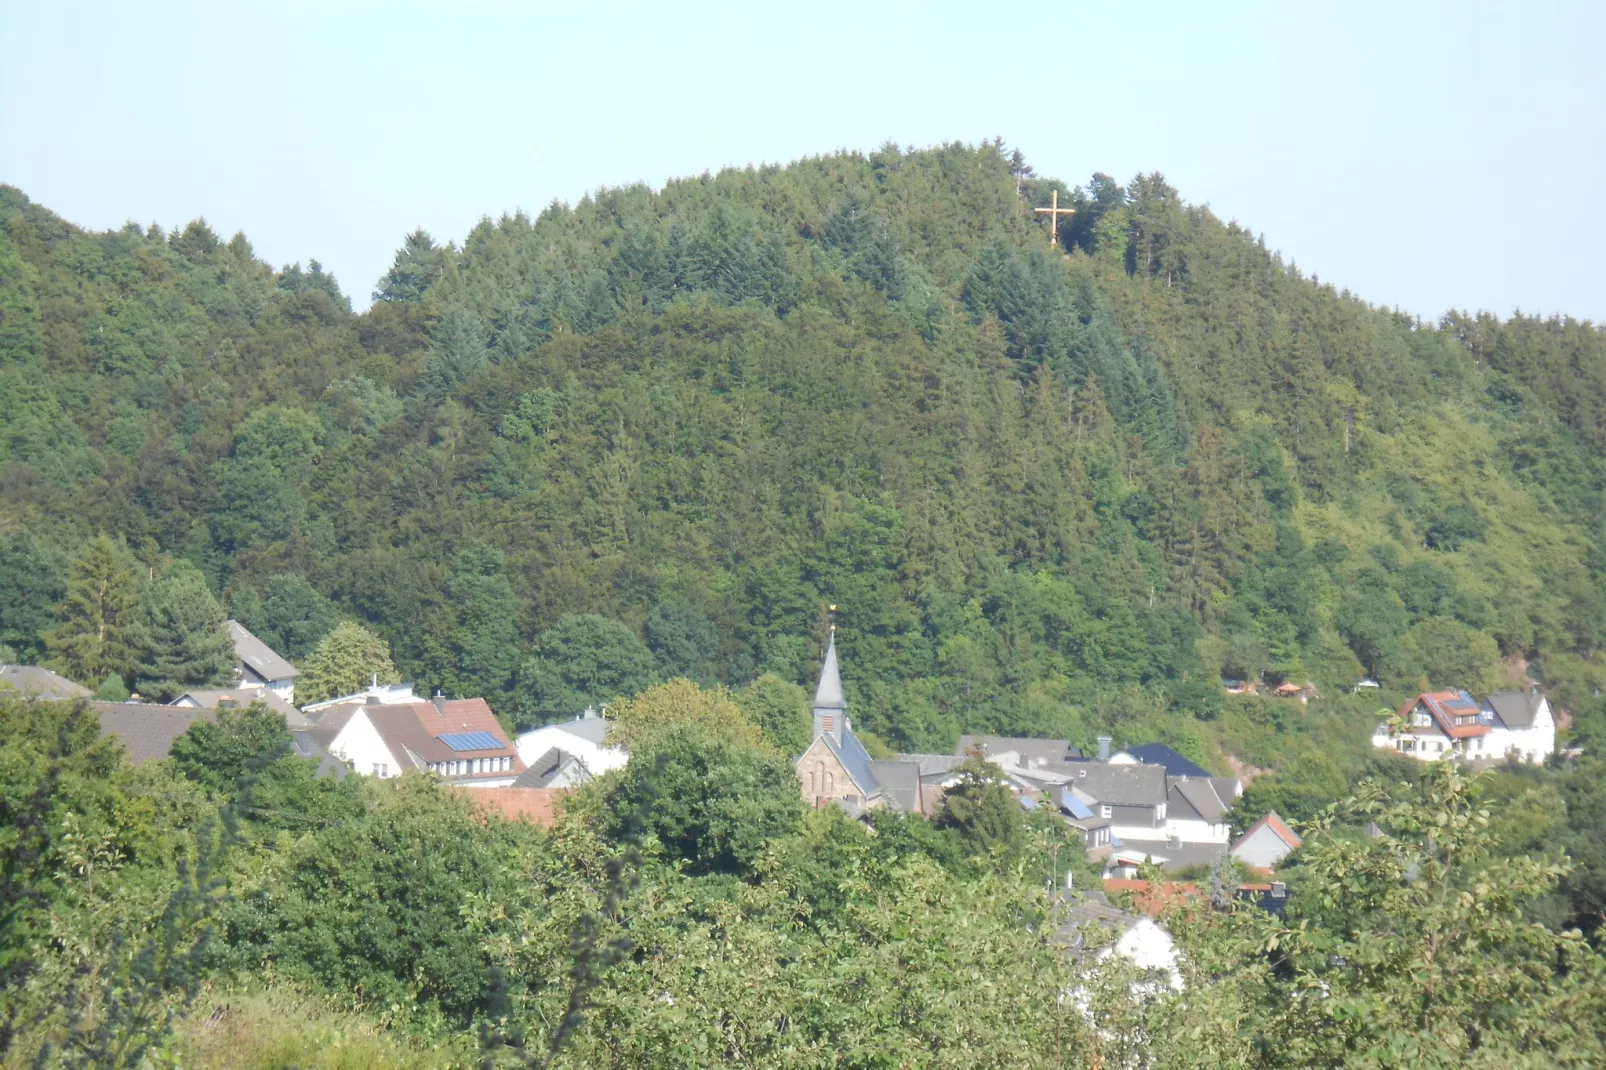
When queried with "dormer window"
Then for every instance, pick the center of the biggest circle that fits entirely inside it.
(1104, 811)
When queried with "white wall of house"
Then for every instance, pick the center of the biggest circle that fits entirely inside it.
(1262, 849)
(1197, 830)
(285, 688)
(1533, 745)
(598, 758)
(360, 744)
(1149, 947)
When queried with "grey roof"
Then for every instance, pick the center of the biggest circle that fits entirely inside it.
(304, 745)
(1177, 857)
(1118, 785)
(147, 732)
(1201, 795)
(546, 768)
(212, 698)
(40, 681)
(900, 780)
(1089, 913)
(828, 695)
(258, 656)
(855, 759)
(1515, 709)
(933, 764)
(1031, 751)
(590, 729)
(1160, 754)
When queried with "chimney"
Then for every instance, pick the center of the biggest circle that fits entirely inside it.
(1104, 748)
(440, 702)
(373, 700)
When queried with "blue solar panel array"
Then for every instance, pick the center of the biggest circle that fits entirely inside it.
(471, 741)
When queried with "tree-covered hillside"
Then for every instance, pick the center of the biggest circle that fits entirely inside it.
(1051, 489)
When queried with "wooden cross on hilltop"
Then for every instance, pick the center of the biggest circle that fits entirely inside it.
(1054, 211)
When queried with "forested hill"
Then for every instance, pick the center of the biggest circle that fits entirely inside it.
(1049, 488)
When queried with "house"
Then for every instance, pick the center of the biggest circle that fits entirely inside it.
(583, 738)
(1237, 687)
(1451, 724)
(1018, 750)
(554, 769)
(40, 682)
(836, 770)
(213, 699)
(1094, 830)
(376, 692)
(1094, 927)
(1523, 726)
(257, 665)
(458, 740)
(1265, 843)
(147, 731)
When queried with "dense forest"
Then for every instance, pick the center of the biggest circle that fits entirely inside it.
(1055, 485)
(1053, 488)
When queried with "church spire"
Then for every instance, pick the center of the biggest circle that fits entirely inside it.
(830, 705)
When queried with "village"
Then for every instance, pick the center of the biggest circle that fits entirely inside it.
(1152, 821)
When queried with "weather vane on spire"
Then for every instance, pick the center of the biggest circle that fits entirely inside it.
(831, 609)
(1054, 211)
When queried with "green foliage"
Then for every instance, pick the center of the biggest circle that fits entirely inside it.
(981, 809)
(345, 661)
(680, 702)
(94, 639)
(223, 755)
(177, 639)
(287, 613)
(31, 583)
(581, 661)
(716, 803)
(781, 708)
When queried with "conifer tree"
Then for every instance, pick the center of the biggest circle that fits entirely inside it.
(177, 638)
(92, 643)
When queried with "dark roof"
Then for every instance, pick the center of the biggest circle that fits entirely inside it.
(1200, 796)
(258, 656)
(1515, 709)
(855, 759)
(545, 769)
(933, 764)
(1176, 856)
(1160, 754)
(147, 732)
(1090, 913)
(40, 681)
(1032, 751)
(900, 780)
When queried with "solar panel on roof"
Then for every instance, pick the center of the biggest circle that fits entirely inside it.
(471, 741)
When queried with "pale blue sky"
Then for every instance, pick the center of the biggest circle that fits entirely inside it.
(1427, 156)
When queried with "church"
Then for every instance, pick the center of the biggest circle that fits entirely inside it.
(836, 770)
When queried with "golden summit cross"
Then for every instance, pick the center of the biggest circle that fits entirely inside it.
(1054, 211)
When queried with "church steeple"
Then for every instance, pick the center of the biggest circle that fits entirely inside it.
(830, 705)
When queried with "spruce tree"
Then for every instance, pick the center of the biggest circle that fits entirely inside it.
(92, 641)
(178, 638)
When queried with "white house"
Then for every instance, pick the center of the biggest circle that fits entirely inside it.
(581, 737)
(1094, 927)
(1451, 724)
(374, 693)
(1266, 843)
(458, 740)
(258, 665)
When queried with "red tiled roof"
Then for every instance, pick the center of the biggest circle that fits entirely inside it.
(538, 806)
(1154, 899)
(1278, 828)
(1444, 707)
(418, 726)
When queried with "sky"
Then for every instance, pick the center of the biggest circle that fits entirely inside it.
(1426, 156)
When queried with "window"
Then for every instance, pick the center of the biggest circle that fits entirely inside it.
(1104, 811)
